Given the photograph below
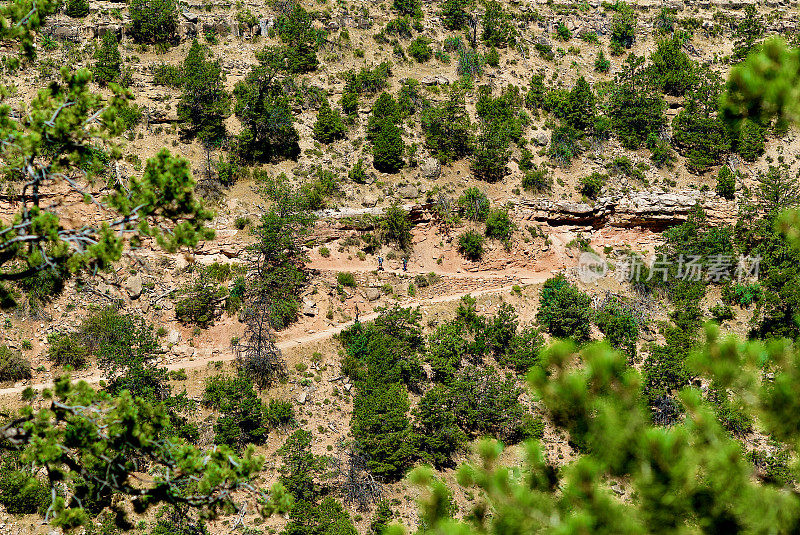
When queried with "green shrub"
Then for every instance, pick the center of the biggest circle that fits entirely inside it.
(358, 173)
(562, 32)
(474, 204)
(437, 435)
(345, 278)
(537, 180)
(623, 26)
(470, 244)
(721, 312)
(674, 72)
(108, 65)
(470, 63)
(66, 350)
(498, 28)
(773, 468)
(619, 326)
(454, 14)
(447, 128)
(492, 57)
(153, 21)
(499, 225)
(279, 413)
(243, 415)
(420, 49)
(23, 494)
(44, 285)
(396, 227)
(388, 147)
(485, 403)
(77, 8)
(411, 8)
(564, 311)
(591, 186)
(523, 350)
(742, 294)
(602, 63)
(750, 143)
(201, 302)
(12, 366)
(564, 145)
(168, 75)
(299, 39)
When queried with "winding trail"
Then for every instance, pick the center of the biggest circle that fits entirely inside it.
(511, 278)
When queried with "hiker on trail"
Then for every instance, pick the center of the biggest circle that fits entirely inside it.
(405, 263)
(380, 263)
(357, 311)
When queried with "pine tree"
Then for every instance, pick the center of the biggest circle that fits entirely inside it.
(380, 425)
(498, 31)
(580, 108)
(674, 71)
(454, 13)
(108, 66)
(153, 21)
(205, 103)
(750, 143)
(447, 128)
(300, 40)
(268, 131)
(387, 143)
(636, 110)
(329, 126)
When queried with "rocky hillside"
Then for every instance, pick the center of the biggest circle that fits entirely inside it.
(407, 196)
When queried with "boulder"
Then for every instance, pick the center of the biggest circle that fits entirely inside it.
(408, 191)
(134, 286)
(372, 294)
(173, 337)
(540, 138)
(430, 168)
(309, 307)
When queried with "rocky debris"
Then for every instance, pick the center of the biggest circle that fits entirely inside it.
(430, 168)
(134, 286)
(191, 17)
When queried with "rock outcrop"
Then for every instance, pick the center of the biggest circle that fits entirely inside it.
(654, 210)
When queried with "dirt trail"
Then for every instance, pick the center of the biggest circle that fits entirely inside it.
(285, 343)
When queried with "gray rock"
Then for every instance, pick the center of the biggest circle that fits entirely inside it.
(430, 168)
(540, 137)
(173, 337)
(372, 294)
(134, 286)
(408, 191)
(309, 308)
(191, 17)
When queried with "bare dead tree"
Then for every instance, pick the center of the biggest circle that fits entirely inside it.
(472, 29)
(352, 479)
(256, 353)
